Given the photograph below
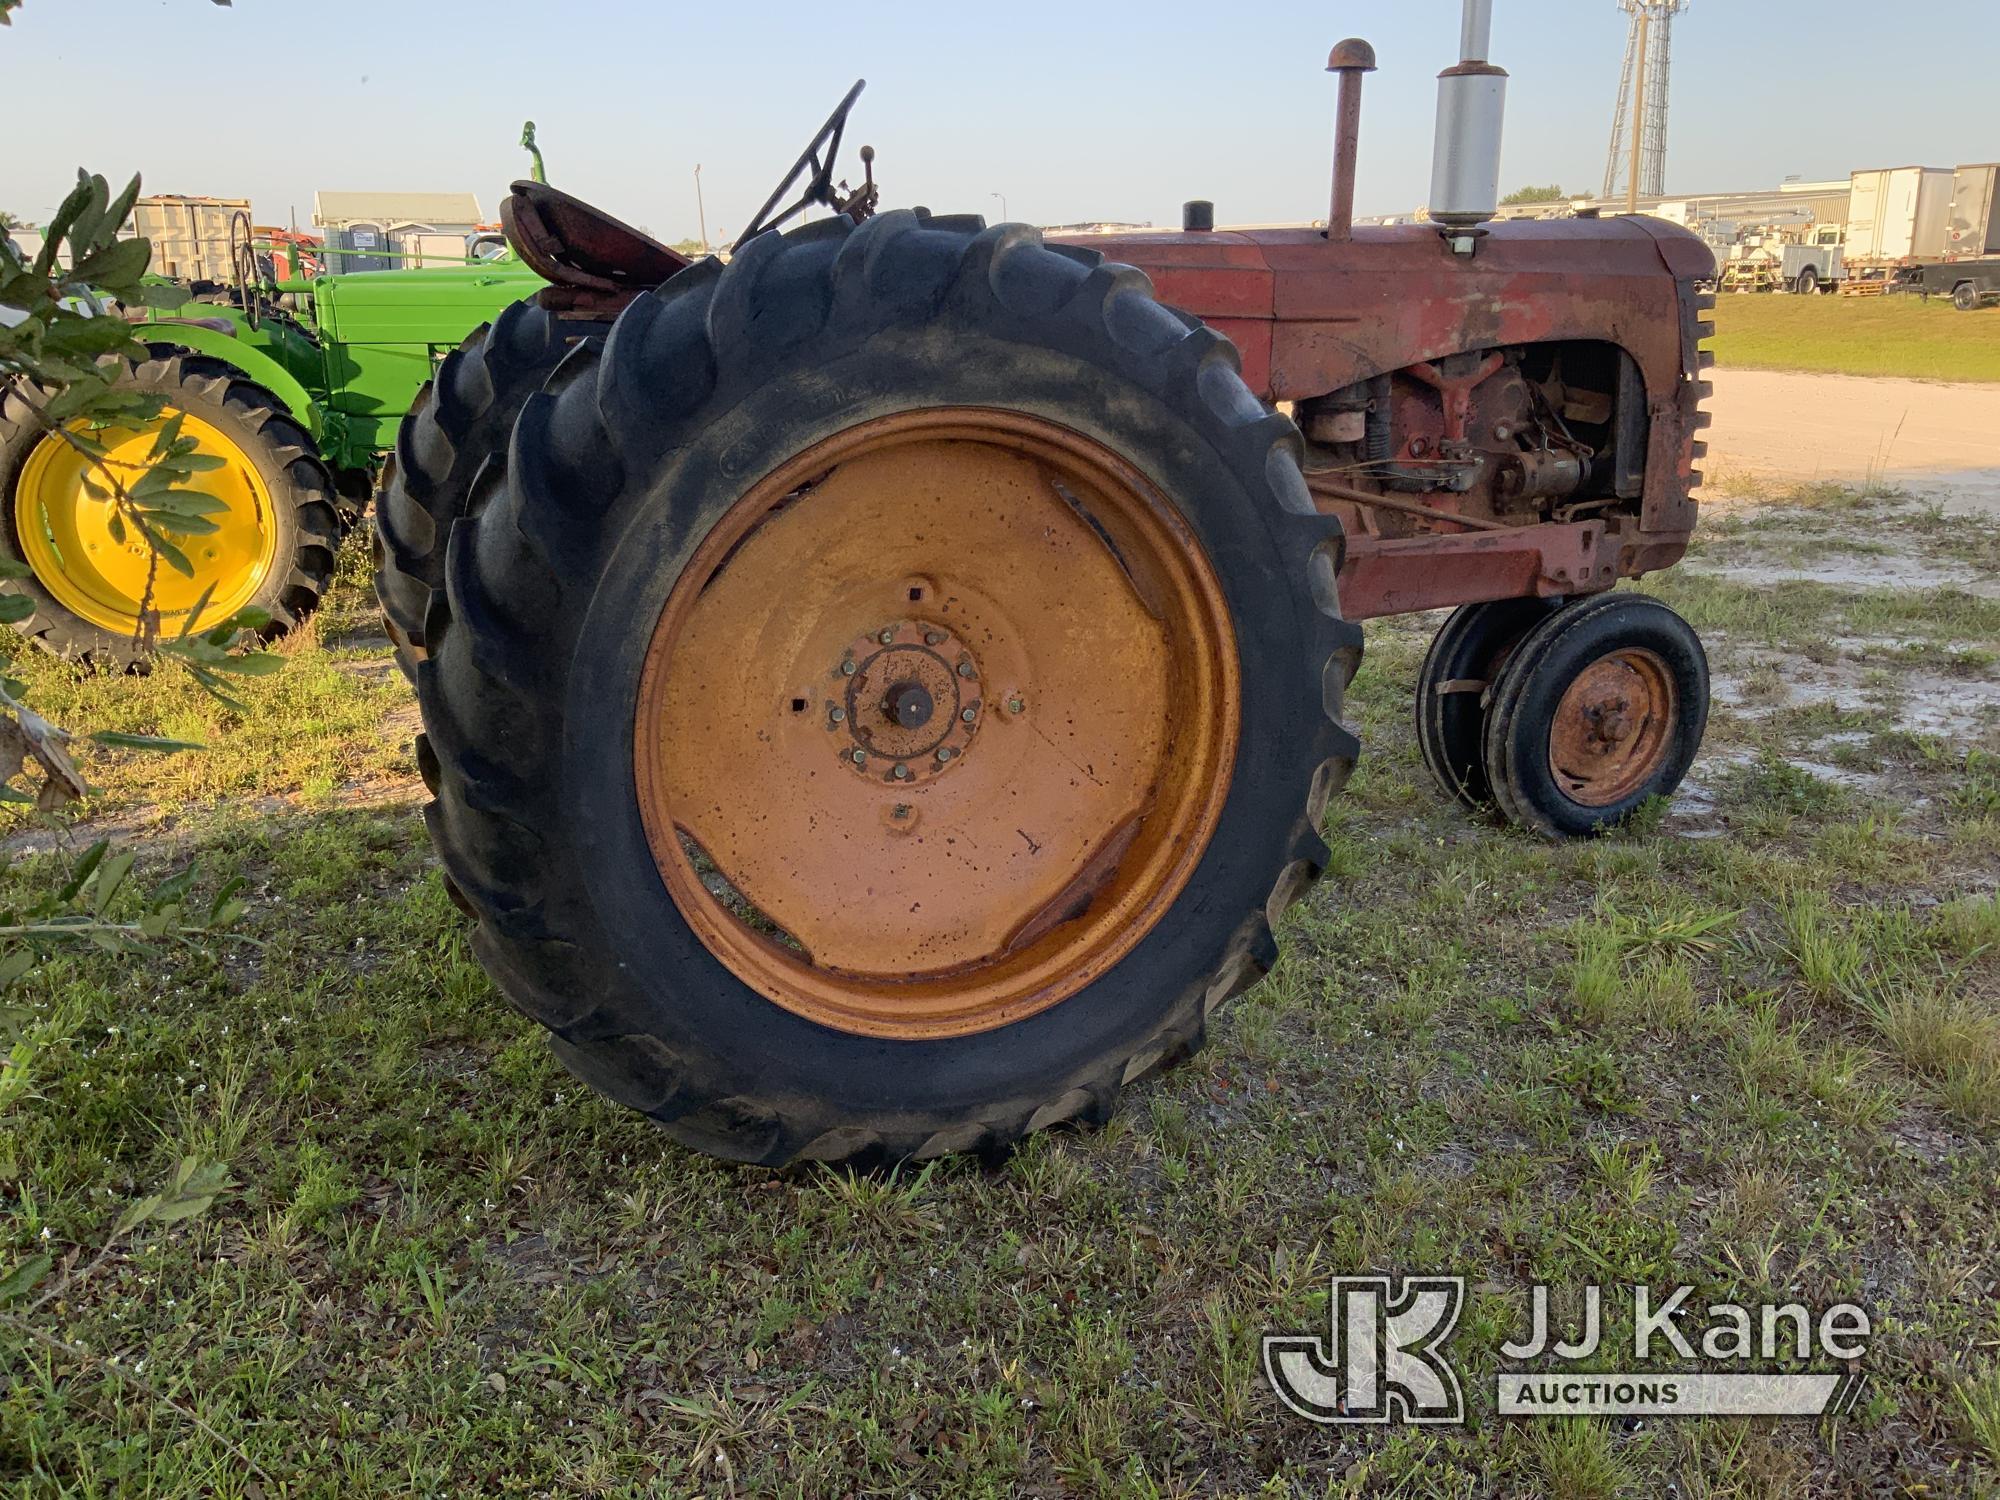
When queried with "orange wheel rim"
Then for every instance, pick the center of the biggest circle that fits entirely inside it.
(937, 723)
(1613, 726)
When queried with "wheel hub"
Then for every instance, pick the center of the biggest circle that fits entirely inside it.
(903, 702)
(1613, 727)
(936, 723)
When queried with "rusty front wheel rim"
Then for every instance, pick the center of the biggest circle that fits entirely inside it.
(1613, 727)
(1019, 595)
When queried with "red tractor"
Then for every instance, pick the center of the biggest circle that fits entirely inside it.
(881, 692)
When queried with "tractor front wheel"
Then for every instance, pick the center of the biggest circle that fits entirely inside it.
(1599, 708)
(91, 578)
(891, 698)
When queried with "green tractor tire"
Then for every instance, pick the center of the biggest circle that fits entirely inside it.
(453, 441)
(90, 579)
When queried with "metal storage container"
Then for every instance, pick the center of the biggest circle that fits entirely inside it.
(1897, 213)
(1973, 227)
(190, 235)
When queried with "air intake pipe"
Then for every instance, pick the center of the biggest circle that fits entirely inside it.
(1465, 154)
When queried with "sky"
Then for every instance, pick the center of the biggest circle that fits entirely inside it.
(1063, 112)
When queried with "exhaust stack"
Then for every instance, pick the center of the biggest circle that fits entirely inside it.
(1465, 155)
(1350, 59)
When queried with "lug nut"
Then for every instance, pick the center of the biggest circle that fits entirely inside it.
(837, 715)
(946, 754)
(967, 715)
(847, 668)
(859, 757)
(965, 668)
(902, 773)
(933, 637)
(886, 636)
(1015, 706)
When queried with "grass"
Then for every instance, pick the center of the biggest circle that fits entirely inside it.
(1752, 1043)
(1903, 336)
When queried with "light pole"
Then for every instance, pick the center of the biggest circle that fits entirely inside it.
(1003, 206)
(700, 211)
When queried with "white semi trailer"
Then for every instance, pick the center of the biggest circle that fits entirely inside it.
(1895, 216)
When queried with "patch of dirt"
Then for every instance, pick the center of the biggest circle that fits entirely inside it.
(160, 825)
(1934, 438)
(1848, 570)
(1912, 699)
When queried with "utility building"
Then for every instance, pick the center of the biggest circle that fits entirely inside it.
(381, 231)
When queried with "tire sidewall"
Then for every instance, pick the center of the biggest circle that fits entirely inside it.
(1451, 726)
(678, 990)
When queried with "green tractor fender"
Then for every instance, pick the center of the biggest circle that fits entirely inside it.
(253, 363)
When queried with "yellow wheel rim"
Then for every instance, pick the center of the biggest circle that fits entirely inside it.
(66, 535)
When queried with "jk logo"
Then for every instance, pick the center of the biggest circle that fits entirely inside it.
(1383, 1361)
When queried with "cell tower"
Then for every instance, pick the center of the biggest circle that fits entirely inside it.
(1639, 126)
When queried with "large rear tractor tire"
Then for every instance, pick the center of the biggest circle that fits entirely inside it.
(458, 426)
(892, 696)
(273, 547)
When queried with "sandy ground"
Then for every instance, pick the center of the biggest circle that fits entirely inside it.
(1938, 440)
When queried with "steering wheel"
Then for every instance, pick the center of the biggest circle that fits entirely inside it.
(820, 188)
(243, 269)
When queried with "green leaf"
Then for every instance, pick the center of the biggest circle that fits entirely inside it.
(191, 503)
(194, 614)
(118, 740)
(194, 1186)
(250, 617)
(54, 232)
(176, 522)
(89, 337)
(251, 664)
(14, 608)
(88, 231)
(121, 206)
(155, 481)
(110, 876)
(168, 435)
(173, 890)
(224, 900)
(116, 526)
(172, 556)
(208, 1184)
(85, 868)
(213, 685)
(116, 265)
(13, 568)
(23, 1279)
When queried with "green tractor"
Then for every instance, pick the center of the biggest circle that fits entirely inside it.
(299, 386)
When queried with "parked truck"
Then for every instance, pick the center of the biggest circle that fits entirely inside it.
(1818, 265)
(1968, 271)
(1896, 217)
